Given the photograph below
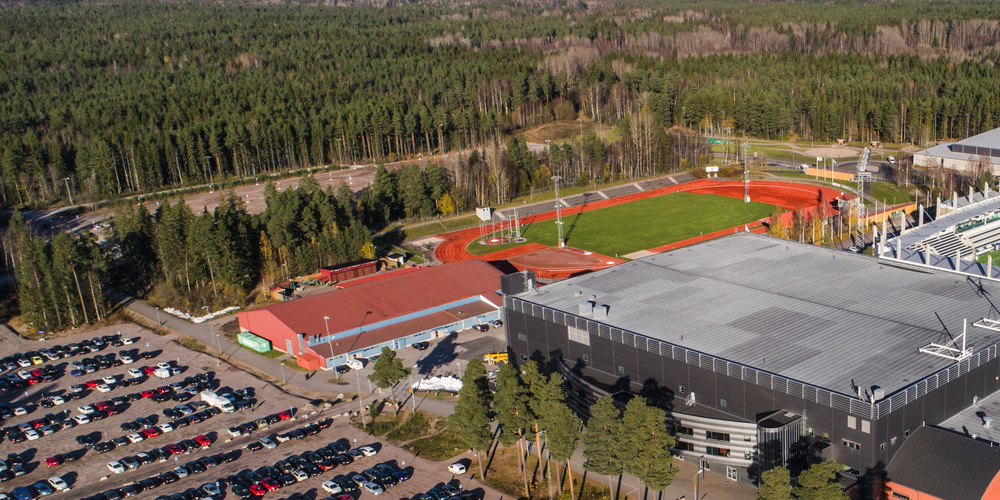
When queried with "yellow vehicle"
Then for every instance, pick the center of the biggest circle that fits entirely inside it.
(495, 358)
(37, 360)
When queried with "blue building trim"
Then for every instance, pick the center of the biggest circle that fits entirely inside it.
(392, 321)
(408, 340)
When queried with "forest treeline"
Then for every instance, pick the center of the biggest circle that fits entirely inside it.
(110, 99)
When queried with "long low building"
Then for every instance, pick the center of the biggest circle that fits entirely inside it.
(965, 155)
(766, 351)
(327, 329)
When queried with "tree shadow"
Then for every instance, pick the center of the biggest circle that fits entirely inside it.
(442, 354)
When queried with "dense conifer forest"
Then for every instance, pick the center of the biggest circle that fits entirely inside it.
(112, 99)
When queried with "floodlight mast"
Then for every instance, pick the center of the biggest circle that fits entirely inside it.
(746, 173)
(559, 241)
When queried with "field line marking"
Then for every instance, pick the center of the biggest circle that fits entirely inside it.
(603, 195)
(637, 186)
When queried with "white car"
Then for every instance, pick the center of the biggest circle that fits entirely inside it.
(181, 472)
(165, 427)
(268, 443)
(110, 379)
(331, 487)
(58, 484)
(134, 372)
(368, 451)
(135, 437)
(127, 360)
(163, 364)
(372, 488)
(103, 388)
(457, 468)
(85, 409)
(20, 411)
(235, 432)
(32, 434)
(300, 475)
(126, 341)
(58, 400)
(24, 374)
(116, 467)
(81, 419)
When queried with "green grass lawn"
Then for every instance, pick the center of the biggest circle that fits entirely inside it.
(996, 258)
(643, 224)
(891, 193)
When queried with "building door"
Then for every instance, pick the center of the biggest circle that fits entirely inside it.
(288, 346)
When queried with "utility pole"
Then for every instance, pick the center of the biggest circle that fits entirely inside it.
(441, 137)
(68, 190)
(340, 155)
(746, 173)
(559, 241)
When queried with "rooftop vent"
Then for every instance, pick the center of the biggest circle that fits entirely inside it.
(586, 308)
(577, 293)
(593, 298)
(601, 311)
(877, 393)
(988, 422)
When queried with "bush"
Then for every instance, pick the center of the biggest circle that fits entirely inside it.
(415, 427)
(438, 447)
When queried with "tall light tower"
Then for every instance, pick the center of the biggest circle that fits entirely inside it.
(68, 190)
(746, 173)
(559, 241)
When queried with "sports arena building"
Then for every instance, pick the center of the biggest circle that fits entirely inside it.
(765, 351)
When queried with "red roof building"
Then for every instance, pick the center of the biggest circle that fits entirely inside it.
(395, 311)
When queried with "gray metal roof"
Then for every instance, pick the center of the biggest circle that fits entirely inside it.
(970, 421)
(946, 465)
(823, 317)
(988, 139)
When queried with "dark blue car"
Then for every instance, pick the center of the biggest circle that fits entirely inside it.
(22, 493)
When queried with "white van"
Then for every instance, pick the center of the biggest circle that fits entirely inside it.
(355, 364)
(892, 160)
(457, 468)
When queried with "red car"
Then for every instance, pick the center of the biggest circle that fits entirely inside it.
(257, 490)
(33, 380)
(37, 423)
(148, 394)
(38, 372)
(151, 432)
(162, 390)
(93, 383)
(203, 440)
(270, 484)
(174, 449)
(148, 370)
(103, 405)
(53, 461)
(285, 415)
(112, 410)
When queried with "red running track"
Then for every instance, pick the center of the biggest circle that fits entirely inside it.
(784, 194)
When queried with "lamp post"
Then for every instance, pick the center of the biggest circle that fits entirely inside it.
(282, 365)
(559, 241)
(326, 320)
(441, 137)
(158, 323)
(361, 406)
(701, 470)
(68, 190)
(211, 329)
(340, 155)
(413, 393)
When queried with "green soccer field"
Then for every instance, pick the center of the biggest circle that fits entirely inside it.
(626, 228)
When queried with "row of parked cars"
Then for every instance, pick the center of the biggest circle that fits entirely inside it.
(190, 468)
(297, 468)
(85, 366)
(57, 352)
(137, 436)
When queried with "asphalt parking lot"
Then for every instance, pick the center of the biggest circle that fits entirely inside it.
(89, 475)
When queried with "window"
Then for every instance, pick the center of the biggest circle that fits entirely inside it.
(881, 447)
(826, 436)
(892, 441)
(522, 337)
(577, 335)
(747, 455)
(586, 358)
(810, 431)
(906, 433)
(747, 438)
(852, 422)
(681, 445)
(717, 436)
(686, 431)
(900, 496)
(732, 473)
(524, 358)
(621, 369)
(719, 452)
(722, 403)
(706, 465)
(866, 427)
(851, 444)
(680, 389)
